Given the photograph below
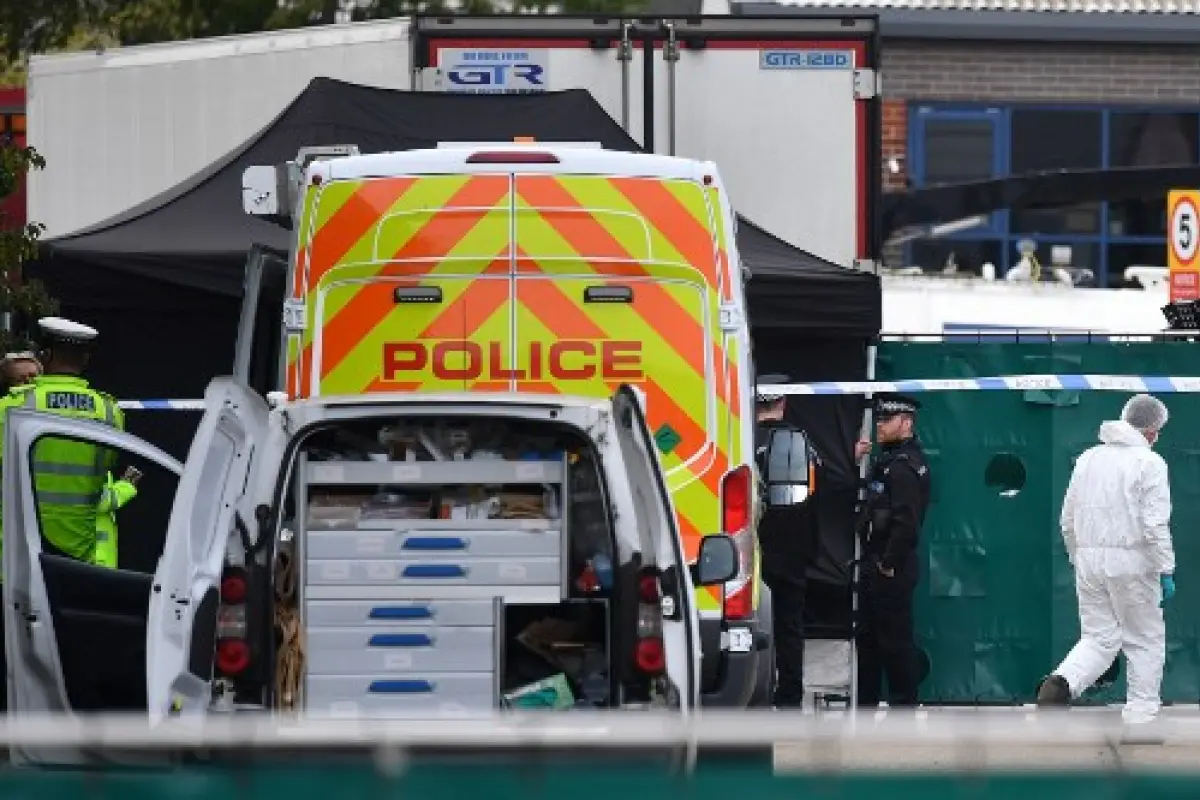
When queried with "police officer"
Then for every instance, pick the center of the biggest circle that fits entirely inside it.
(787, 536)
(68, 475)
(890, 524)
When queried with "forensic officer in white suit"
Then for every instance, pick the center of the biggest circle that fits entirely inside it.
(1116, 526)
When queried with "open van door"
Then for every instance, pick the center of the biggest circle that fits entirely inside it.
(258, 358)
(681, 622)
(213, 512)
(74, 632)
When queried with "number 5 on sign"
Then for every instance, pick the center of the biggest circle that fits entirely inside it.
(1183, 244)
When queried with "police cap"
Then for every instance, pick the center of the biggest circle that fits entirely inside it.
(64, 331)
(889, 405)
(762, 389)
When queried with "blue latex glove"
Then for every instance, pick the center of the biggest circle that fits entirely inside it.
(1168, 588)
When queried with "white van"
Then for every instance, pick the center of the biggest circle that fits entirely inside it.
(369, 556)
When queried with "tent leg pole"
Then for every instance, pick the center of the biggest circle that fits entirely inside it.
(864, 433)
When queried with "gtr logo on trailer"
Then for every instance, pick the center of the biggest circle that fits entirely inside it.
(804, 59)
(494, 71)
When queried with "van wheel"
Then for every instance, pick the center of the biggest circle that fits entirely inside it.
(760, 758)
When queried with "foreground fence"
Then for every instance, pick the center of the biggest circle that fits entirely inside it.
(945, 755)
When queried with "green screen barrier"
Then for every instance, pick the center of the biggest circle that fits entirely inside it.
(540, 782)
(996, 609)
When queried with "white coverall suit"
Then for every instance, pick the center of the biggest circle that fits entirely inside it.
(1115, 521)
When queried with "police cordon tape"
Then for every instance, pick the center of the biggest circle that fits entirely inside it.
(1153, 384)
(161, 405)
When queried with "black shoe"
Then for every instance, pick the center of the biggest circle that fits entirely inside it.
(1054, 691)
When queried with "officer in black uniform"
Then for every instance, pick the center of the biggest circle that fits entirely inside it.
(890, 525)
(787, 537)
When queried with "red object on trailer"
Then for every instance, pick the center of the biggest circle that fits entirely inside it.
(12, 124)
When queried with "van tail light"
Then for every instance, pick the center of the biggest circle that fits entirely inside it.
(511, 157)
(234, 654)
(735, 500)
(650, 656)
(737, 509)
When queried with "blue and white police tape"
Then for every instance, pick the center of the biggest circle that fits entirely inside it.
(161, 405)
(1153, 384)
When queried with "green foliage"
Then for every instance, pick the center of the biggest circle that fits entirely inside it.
(43, 26)
(24, 300)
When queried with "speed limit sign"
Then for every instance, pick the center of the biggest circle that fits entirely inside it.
(1184, 240)
(1183, 244)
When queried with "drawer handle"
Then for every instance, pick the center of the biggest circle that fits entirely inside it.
(434, 571)
(434, 543)
(401, 687)
(400, 640)
(401, 612)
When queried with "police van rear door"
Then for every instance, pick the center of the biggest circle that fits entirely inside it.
(258, 357)
(651, 497)
(213, 503)
(405, 284)
(59, 610)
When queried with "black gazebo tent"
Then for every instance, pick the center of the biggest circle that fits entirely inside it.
(163, 281)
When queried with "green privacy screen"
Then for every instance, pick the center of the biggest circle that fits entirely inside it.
(996, 607)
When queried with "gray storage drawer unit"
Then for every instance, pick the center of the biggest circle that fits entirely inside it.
(404, 617)
(400, 695)
(410, 613)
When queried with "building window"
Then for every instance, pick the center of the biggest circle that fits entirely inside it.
(1148, 140)
(959, 150)
(962, 143)
(958, 256)
(1123, 256)
(1044, 140)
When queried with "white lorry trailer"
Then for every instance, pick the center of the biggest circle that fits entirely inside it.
(788, 108)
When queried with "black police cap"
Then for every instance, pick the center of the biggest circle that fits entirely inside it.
(889, 405)
(763, 393)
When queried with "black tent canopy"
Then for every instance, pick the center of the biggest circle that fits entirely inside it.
(163, 281)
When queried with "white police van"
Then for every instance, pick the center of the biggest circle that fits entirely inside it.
(442, 554)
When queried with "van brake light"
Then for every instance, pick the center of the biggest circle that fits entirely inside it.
(735, 505)
(736, 510)
(510, 157)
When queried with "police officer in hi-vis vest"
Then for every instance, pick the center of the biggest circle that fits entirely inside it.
(69, 476)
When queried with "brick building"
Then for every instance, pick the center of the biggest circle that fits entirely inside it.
(1033, 85)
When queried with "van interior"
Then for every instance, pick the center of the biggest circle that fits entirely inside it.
(433, 565)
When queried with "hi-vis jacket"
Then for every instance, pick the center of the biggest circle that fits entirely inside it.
(68, 475)
(114, 496)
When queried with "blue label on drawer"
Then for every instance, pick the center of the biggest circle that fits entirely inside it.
(401, 612)
(400, 640)
(434, 543)
(434, 571)
(400, 687)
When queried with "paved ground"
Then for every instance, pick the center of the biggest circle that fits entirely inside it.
(1177, 747)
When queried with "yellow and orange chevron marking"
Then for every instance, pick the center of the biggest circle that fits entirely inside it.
(512, 257)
